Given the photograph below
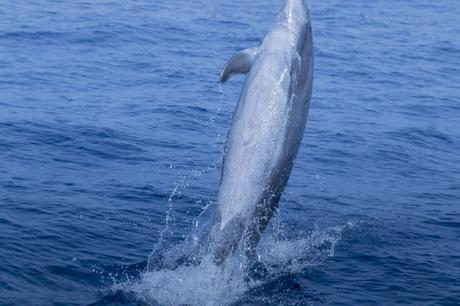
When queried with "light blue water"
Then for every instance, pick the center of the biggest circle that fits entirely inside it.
(111, 118)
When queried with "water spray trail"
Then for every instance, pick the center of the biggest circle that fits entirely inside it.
(168, 229)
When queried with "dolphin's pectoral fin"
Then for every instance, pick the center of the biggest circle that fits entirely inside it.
(239, 63)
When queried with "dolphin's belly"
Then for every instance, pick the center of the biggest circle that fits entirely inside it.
(255, 142)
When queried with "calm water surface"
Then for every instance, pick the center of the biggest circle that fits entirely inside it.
(111, 132)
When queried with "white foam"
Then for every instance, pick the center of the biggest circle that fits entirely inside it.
(205, 284)
(208, 284)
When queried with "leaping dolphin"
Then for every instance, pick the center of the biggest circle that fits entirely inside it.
(266, 131)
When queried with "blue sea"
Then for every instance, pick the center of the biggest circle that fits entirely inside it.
(112, 125)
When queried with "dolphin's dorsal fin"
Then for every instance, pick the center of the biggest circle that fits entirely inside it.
(239, 63)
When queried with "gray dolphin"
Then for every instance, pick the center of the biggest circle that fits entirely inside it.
(266, 131)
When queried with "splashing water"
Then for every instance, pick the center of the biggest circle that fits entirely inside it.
(177, 282)
(205, 284)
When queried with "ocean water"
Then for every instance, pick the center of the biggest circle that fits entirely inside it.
(112, 125)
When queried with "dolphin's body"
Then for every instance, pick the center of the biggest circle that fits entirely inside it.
(266, 130)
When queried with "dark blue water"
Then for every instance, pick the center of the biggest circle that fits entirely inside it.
(111, 132)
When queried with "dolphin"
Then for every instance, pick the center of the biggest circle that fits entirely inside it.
(266, 131)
